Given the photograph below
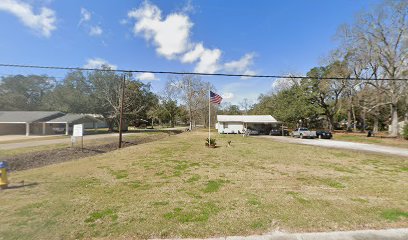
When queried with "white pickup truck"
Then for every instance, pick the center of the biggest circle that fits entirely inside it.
(304, 133)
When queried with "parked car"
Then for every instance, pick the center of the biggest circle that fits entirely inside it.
(304, 133)
(322, 134)
(278, 132)
(58, 130)
(251, 132)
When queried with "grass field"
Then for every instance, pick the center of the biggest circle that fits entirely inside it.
(362, 138)
(178, 188)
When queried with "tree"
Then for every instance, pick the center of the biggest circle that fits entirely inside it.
(245, 105)
(24, 92)
(230, 109)
(289, 104)
(73, 95)
(107, 87)
(326, 93)
(383, 35)
(193, 92)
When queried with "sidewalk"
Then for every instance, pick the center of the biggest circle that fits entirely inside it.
(388, 234)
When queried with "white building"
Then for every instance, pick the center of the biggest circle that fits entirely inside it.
(239, 123)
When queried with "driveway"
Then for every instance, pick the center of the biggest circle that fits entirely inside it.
(342, 145)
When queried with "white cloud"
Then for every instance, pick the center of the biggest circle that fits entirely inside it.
(43, 23)
(227, 95)
(194, 54)
(146, 77)
(98, 63)
(95, 31)
(208, 62)
(171, 35)
(240, 66)
(85, 16)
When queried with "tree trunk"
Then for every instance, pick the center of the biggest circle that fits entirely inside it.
(354, 119)
(348, 119)
(394, 121)
(363, 120)
(375, 126)
(330, 121)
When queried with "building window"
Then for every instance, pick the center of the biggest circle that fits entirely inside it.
(225, 125)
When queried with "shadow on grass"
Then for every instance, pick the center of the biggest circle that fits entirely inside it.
(22, 185)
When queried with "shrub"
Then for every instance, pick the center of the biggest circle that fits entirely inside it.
(405, 131)
(210, 142)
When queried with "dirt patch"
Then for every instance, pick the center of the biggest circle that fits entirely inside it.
(43, 158)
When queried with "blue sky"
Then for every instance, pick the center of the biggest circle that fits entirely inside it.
(233, 36)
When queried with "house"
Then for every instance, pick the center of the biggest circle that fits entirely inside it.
(40, 122)
(67, 122)
(239, 123)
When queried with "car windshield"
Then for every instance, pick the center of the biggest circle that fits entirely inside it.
(303, 129)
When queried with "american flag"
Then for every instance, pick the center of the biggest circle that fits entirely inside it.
(215, 98)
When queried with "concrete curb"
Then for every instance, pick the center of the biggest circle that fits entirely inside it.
(386, 234)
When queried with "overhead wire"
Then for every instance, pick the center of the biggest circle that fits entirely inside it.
(200, 73)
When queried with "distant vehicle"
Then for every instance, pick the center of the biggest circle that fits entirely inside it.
(278, 132)
(58, 130)
(251, 132)
(322, 134)
(304, 133)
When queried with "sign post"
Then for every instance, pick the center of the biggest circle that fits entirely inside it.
(79, 132)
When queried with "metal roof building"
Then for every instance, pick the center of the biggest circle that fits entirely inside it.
(27, 116)
(239, 123)
(246, 118)
(39, 122)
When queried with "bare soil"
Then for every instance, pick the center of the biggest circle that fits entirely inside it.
(43, 158)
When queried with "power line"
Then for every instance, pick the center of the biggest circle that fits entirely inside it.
(198, 73)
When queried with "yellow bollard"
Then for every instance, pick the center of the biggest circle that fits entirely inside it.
(3, 175)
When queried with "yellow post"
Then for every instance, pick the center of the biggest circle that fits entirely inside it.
(3, 175)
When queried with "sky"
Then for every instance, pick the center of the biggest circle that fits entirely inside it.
(267, 37)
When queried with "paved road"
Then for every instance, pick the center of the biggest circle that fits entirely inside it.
(388, 234)
(37, 141)
(67, 140)
(343, 145)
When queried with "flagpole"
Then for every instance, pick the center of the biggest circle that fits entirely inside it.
(209, 115)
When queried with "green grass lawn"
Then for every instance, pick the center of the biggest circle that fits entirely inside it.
(362, 138)
(176, 187)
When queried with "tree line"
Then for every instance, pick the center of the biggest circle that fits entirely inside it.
(183, 101)
(374, 46)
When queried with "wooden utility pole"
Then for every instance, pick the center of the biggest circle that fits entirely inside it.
(122, 100)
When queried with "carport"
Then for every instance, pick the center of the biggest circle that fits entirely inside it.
(25, 122)
(67, 121)
(239, 123)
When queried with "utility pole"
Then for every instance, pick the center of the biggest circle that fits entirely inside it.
(122, 100)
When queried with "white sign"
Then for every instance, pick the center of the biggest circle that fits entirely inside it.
(78, 130)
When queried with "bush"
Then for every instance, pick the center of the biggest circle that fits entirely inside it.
(405, 131)
(210, 142)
